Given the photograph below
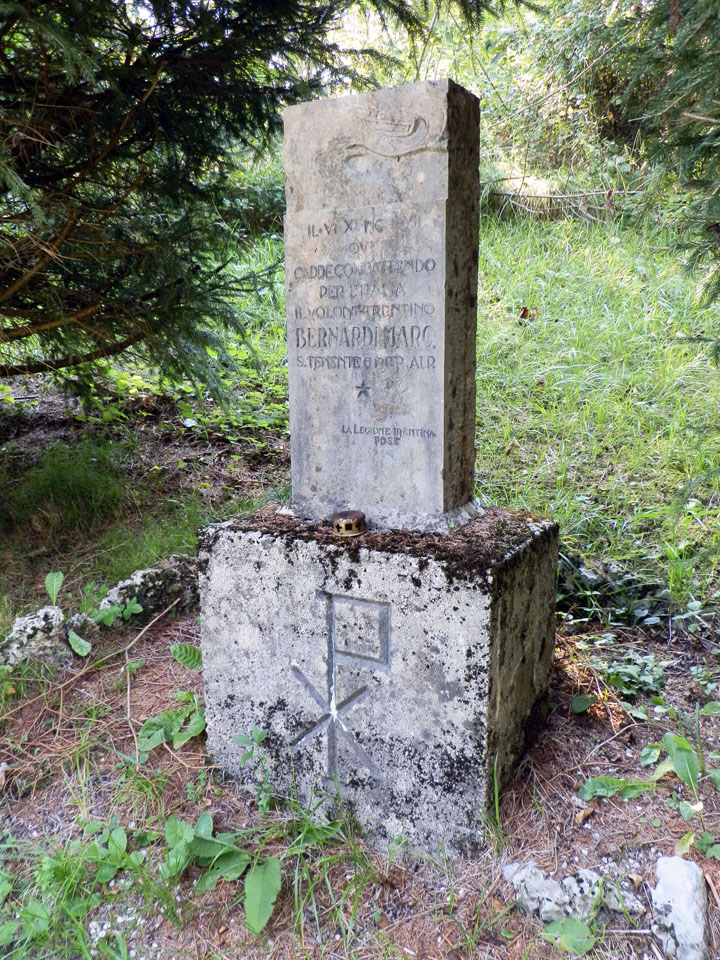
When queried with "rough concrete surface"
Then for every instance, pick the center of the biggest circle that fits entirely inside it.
(381, 266)
(396, 666)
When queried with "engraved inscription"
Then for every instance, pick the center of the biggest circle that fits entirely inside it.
(358, 634)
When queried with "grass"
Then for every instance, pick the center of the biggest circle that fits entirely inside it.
(593, 406)
(72, 486)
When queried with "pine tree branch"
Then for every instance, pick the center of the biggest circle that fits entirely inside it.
(43, 366)
(8, 334)
(51, 253)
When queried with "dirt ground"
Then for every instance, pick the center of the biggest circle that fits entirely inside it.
(62, 767)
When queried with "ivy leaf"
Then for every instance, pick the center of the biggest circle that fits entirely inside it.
(80, 646)
(570, 935)
(187, 655)
(53, 584)
(262, 885)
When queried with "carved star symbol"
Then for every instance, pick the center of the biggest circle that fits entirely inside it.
(332, 722)
(363, 389)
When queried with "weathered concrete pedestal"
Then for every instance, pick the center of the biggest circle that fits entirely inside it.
(399, 667)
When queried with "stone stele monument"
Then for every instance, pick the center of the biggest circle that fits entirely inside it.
(403, 668)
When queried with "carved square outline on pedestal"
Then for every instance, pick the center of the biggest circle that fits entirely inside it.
(352, 611)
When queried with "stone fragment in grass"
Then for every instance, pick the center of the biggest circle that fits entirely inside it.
(580, 895)
(37, 636)
(536, 892)
(680, 905)
(156, 587)
(83, 625)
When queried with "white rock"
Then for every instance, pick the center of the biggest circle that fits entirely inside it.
(37, 637)
(538, 893)
(680, 904)
(156, 587)
(583, 890)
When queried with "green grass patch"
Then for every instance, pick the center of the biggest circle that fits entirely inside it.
(73, 486)
(593, 406)
(172, 528)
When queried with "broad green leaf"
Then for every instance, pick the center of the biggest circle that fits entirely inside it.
(204, 825)
(130, 608)
(81, 906)
(176, 859)
(194, 727)
(601, 787)
(634, 788)
(5, 886)
(35, 919)
(711, 709)
(570, 936)
(684, 759)
(187, 655)
(662, 769)
(106, 871)
(53, 584)
(232, 864)
(117, 844)
(208, 848)
(262, 885)
(684, 844)
(686, 810)
(314, 833)
(208, 881)
(258, 735)
(186, 696)
(582, 702)
(7, 932)
(650, 754)
(178, 832)
(714, 776)
(162, 729)
(81, 647)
